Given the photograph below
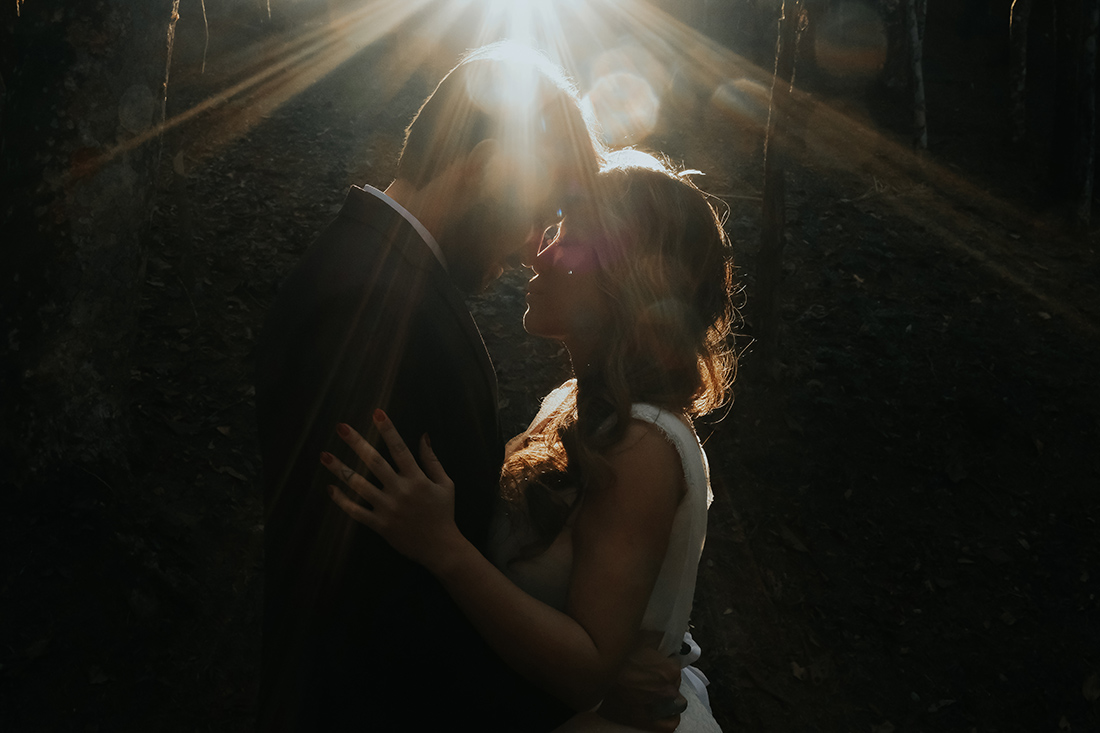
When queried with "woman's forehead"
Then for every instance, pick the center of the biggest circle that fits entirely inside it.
(581, 210)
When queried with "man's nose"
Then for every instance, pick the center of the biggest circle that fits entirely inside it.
(530, 250)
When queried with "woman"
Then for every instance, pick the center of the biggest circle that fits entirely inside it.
(605, 495)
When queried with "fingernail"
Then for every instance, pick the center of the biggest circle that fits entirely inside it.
(428, 440)
(326, 457)
(379, 416)
(343, 429)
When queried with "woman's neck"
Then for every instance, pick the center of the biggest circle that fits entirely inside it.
(583, 358)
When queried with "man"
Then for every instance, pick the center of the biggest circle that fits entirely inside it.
(356, 636)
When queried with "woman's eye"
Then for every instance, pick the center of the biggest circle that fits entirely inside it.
(549, 235)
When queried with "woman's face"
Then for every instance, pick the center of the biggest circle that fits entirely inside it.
(564, 300)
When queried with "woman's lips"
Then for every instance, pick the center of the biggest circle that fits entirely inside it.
(532, 288)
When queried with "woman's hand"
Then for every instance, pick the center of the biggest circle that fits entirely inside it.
(646, 693)
(413, 510)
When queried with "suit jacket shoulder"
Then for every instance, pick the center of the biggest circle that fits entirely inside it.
(370, 319)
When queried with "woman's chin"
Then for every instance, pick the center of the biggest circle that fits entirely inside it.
(532, 324)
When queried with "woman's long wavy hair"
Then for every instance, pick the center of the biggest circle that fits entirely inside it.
(666, 272)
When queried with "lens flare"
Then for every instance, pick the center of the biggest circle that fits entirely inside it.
(851, 41)
(743, 100)
(638, 66)
(626, 106)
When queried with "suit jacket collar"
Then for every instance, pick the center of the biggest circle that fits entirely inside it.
(422, 230)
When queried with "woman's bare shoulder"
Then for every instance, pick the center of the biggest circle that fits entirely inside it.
(645, 459)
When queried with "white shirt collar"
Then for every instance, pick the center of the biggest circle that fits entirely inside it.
(420, 229)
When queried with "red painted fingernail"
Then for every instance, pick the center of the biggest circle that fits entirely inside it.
(326, 457)
(344, 430)
(379, 416)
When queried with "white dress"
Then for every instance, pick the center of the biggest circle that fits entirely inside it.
(546, 576)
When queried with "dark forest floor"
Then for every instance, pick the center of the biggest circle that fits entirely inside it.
(904, 536)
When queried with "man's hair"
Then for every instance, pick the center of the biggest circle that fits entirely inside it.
(495, 92)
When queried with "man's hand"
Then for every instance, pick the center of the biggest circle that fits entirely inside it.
(646, 694)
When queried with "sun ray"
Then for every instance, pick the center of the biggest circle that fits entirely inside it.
(287, 71)
(638, 66)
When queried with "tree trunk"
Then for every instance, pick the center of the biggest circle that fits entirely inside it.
(1063, 135)
(1073, 134)
(1018, 23)
(915, 11)
(1087, 145)
(82, 80)
(769, 264)
(896, 69)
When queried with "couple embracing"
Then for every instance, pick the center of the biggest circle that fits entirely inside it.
(421, 574)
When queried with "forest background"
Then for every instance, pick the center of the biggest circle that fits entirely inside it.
(904, 536)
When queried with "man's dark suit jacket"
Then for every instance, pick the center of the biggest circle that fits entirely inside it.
(356, 636)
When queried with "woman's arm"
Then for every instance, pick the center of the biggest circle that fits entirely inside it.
(620, 536)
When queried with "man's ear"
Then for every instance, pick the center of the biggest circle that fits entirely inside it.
(479, 162)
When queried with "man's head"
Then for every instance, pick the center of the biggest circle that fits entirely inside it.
(502, 145)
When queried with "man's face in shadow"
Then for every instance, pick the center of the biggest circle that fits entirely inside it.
(525, 185)
(481, 241)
